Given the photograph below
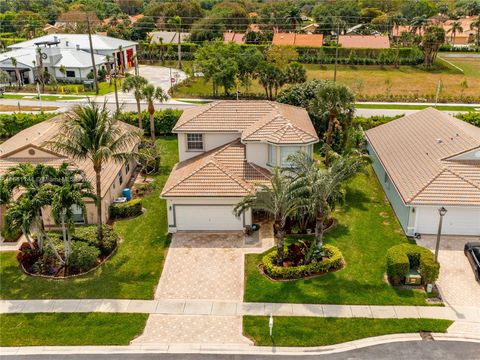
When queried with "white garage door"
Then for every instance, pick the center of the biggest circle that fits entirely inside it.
(457, 221)
(207, 217)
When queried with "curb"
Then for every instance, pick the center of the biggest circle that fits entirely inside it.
(179, 348)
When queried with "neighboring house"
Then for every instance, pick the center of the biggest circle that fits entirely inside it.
(425, 161)
(463, 38)
(74, 19)
(231, 36)
(69, 51)
(226, 148)
(364, 41)
(310, 28)
(28, 147)
(132, 20)
(167, 37)
(293, 39)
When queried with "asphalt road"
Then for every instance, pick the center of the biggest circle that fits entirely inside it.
(415, 350)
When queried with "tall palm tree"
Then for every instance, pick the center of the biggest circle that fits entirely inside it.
(335, 102)
(455, 28)
(136, 84)
(71, 190)
(321, 187)
(92, 134)
(475, 25)
(151, 93)
(418, 23)
(17, 72)
(293, 17)
(277, 200)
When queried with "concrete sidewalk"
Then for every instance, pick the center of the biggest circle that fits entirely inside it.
(238, 308)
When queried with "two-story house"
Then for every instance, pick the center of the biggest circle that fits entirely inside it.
(225, 149)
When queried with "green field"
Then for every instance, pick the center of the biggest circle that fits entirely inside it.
(57, 329)
(131, 273)
(314, 331)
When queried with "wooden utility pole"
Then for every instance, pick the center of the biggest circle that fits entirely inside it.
(95, 75)
(117, 105)
(336, 53)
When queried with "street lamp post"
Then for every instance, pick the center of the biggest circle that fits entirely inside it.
(442, 211)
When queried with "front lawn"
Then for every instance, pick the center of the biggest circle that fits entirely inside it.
(367, 229)
(131, 273)
(70, 329)
(314, 331)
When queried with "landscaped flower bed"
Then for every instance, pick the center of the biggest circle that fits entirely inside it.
(294, 268)
(88, 252)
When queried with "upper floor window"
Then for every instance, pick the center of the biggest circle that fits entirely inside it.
(195, 142)
(286, 151)
(272, 155)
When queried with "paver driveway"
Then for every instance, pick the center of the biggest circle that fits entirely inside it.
(203, 266)
(456, 281)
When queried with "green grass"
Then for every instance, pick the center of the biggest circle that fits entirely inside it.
(414, 107)
(133, 272)
(314, 331)
(44, 329)
(367, 229)
(44, 97)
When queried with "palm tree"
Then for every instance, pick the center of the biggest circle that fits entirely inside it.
(455, 28)
(69, 191)
(321, 188)
(293, 17)
(418, 23)
(21, 215)
(108, 58)
(31, 180)
(136, 84)
(333, 101)
(17, 72)
(277, 200)
(151, 93)
(476, 25)
(92, 134)
(176, 21)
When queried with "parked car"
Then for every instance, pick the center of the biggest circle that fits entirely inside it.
(472, 251)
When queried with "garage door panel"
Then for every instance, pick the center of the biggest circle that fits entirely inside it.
(457, 221)
(207, 217)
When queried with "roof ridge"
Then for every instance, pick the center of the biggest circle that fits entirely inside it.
(463, 178)
(426, 185)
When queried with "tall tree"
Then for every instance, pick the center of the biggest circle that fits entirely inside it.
(432, 39)
(277, 200)
(322, 188)
(91, 133)
(151, 93)
(136, 84)
(293, 17)
(337, 104)
(475, 25)
(455, 28)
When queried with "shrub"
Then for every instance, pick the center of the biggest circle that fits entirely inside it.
(88, 234)
(84, 256)
(12, 124)
(334, 261)
(472, 117)
(401, 258)
(164, 120)
(128, 209)
(11, 234)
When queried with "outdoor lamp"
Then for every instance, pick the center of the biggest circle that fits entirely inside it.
(442, 211)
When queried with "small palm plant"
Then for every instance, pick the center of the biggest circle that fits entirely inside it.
(92, 134)
(69, 191)
(151, 93)
(455, 28)
(136, 84)
(17, 72)
(277, 200)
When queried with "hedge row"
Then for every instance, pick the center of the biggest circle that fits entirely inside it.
(334, 261)
(11, 124)
(306, 54)
(125, 210)
(164, 120)
(471, 117)
(88, 234)
(401, 258)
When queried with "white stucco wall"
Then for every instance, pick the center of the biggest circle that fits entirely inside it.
(257, 153)
(210, 141)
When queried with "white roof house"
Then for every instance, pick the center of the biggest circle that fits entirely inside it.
(70, 51)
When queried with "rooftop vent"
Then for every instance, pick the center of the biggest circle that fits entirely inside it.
(78, 47)
(439, 141)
